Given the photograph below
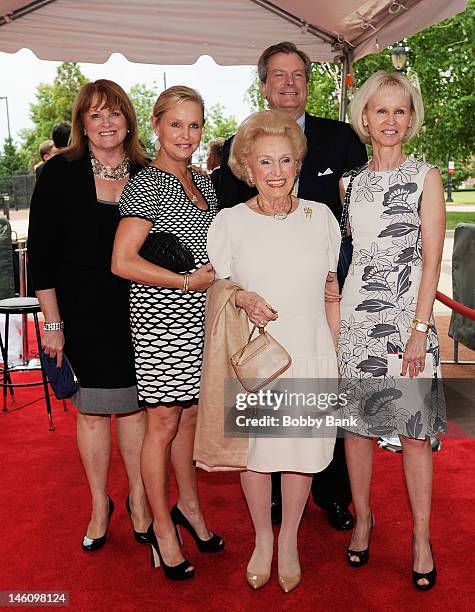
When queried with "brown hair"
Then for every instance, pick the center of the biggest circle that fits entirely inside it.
(176, 95)
(106, 94)
(45, 148)
(283, 47)
(264, 123)
(215, 148)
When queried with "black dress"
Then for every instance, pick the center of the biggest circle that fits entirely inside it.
(93, 302)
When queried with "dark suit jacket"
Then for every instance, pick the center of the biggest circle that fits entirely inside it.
(62, 227)
(331, 144)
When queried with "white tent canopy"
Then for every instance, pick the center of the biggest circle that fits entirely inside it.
(231, 31)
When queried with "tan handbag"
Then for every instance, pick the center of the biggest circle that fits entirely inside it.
(260, 361)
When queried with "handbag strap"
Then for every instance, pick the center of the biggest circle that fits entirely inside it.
(261, 331)
(346, 202)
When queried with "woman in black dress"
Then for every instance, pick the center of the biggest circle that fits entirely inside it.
(73, 218)
(167, 319)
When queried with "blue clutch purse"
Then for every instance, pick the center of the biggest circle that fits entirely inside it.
(63, 381)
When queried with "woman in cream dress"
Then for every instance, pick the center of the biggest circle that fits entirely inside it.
(279, 250)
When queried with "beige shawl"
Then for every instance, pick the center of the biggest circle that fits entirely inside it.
(226, 331)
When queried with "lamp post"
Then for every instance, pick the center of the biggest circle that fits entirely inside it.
(399, 57)
(8, 116)
(450, 171)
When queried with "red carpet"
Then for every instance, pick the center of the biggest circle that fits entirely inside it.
(45, 509)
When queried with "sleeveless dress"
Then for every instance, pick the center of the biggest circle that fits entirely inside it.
(168, 325)
(286, 262)
(378, 305)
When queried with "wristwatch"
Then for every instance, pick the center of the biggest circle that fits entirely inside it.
(422, 326)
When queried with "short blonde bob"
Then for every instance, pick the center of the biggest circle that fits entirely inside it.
(104, 94)
(176, 95)
(376, 83)
(265, 123)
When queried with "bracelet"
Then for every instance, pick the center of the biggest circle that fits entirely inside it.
(186, 283)
(422, 326)
(56, 326)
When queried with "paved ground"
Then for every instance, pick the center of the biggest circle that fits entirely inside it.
(460, 208)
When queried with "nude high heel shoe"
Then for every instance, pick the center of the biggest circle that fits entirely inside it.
(288, 584)
(257, 581)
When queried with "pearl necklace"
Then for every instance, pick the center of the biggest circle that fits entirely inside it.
(278, 216)
(108, 173)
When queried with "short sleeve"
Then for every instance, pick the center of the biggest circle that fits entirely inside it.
(141, 197)
(334, 241)
(219, 244)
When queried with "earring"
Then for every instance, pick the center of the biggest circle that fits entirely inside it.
(128, 131)
(85, 133)
(251, 181)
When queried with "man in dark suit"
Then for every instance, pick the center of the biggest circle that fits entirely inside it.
(333, 148)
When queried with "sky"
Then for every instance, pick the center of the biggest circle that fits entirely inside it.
(21, 72)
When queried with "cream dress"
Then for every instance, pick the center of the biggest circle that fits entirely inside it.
(286, 262)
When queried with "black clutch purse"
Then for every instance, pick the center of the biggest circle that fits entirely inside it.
(63, 381)
(165, 250)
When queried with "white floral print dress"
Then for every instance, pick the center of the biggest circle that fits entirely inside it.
(378, 305)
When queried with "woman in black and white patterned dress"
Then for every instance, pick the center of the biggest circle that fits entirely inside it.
(397, 221)
(167, 319)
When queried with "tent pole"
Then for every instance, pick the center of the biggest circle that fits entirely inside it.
(345, 69)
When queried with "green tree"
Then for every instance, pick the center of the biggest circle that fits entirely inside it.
(12, 159)
(217, 125)
(143, 100)
(53, 104)
(440, 62)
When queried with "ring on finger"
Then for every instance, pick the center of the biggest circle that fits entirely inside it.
(262, 323)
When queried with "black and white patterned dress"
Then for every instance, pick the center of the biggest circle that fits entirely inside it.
(378, 305)
(167, 325)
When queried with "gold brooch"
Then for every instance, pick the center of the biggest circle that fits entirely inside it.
(308, 212)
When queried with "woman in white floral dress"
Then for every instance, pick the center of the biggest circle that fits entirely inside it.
(396, 206)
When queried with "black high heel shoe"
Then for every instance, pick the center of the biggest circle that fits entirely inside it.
(213, 544)
(140, 536)
(362, 555)
(89, 544)
(431, 576)
(173, 572)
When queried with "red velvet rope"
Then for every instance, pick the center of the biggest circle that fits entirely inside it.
(465, 311)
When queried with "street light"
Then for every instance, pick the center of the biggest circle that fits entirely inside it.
(8, 116)
(399, 57)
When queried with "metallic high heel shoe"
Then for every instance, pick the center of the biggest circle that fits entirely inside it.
(257, 581)
(288, 584)
(140, 536)
(93, 544)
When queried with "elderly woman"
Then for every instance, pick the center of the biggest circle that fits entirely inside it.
(397, 219)
(167, 316)
(279, 249)
(73, 218)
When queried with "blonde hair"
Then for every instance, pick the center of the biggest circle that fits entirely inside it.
(176, 95)
(264, 123)
(380, 81)
(105, 94)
